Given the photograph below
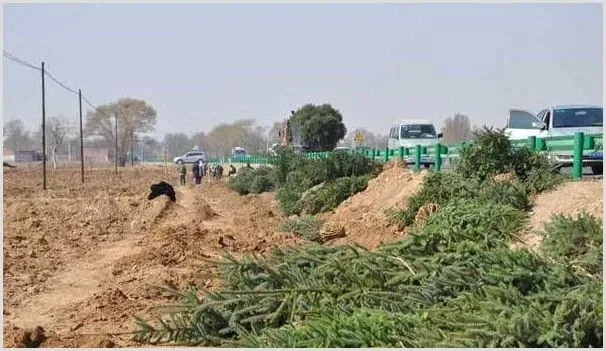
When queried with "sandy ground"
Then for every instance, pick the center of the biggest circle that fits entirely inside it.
(570, 198)
(363, 215)
(80, 261)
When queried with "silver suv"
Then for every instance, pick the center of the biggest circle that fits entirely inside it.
(191, 157)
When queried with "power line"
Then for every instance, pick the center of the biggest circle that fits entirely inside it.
(73, 91)
(46, 72)
(14, 58)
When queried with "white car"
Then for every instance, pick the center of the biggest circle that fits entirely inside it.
(410, 133)
(191, 157)
(559, 121)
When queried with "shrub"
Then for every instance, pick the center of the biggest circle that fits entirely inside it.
(512, 193)
(490, 154)
(253, 181)
(438, 188)
(575, 240)
(341, 175)
(307, 227)
(331, 195)
(342, 164)
(480, 221)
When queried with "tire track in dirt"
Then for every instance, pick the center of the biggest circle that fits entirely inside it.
(86, 278)
(74, 285)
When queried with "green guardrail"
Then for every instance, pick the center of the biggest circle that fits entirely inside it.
(578, 147)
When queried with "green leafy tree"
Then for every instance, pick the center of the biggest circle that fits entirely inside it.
(319, 127)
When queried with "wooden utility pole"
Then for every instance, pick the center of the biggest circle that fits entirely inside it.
(81, 139)
(43, 133)
(116, 123)
(165, 164)
(132, 153)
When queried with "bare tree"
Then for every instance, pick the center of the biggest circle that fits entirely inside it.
(16, 136)
(134, 116)
(456, 128)
(56, 130)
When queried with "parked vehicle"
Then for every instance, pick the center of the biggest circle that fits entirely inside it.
(238, 151)
(560, 121)
(410, 133)
(191, 157)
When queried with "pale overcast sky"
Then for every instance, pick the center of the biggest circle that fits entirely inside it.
(201, 64)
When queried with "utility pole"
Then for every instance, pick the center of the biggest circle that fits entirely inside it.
(116, 123)
(81, 138)
(165, 156)
(43, 133)
(132, 153)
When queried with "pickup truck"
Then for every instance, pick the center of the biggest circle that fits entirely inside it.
(560, 121)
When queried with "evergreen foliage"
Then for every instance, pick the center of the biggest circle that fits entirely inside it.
(453, 282)
(307, 227)
(253, 181)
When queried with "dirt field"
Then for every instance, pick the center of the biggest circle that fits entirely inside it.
(79, 261)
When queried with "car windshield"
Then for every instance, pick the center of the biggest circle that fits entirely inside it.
(522, 120)
(417, 131)
(577, 117)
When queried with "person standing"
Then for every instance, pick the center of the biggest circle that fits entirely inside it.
(200, 171)
(182, 173)
(195, 171)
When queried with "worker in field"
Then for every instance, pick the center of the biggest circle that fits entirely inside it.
(195, 170)
(232, 171)
(200, 171)
(182, 173)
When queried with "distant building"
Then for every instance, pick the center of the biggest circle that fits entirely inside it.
(95, 155)
(22, 156)
(8, 155)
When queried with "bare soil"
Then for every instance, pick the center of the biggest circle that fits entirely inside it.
(81, 260)
(363, 215)
(570, 198)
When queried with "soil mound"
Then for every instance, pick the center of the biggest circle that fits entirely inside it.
(569, 198)
(363, 215)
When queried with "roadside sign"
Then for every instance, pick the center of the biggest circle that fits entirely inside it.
(358, 137)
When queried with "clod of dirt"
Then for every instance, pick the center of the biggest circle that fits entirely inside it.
(331, 231)
(106, 344)
(32, 338)
(203, 209)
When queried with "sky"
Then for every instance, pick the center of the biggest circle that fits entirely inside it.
(202, 64)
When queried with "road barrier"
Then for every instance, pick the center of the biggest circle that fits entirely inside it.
(574, 149)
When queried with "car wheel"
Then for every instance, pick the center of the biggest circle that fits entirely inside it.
(597, 168)
(179, 162)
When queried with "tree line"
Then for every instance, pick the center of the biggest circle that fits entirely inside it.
(317, 127)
